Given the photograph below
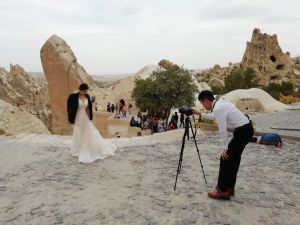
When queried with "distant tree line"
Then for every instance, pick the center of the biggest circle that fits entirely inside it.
(246, 78)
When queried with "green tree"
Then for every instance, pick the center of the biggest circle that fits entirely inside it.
(287, 88)
(240, 79)
(274, 89)
(164, 90)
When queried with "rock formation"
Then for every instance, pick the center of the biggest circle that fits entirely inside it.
(26, 92)
(296, 72)
(7, 92)
(64, 75)
(254, 100)
(15, 121)
(215, 82)
(215, 76)
(166, 64)
(264, 55)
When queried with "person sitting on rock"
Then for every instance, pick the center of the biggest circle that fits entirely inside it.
(170, 126)
(161, 125)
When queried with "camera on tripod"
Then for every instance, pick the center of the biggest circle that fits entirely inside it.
(185, 110)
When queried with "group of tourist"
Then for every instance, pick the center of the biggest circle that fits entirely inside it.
(120, 109)
(156, 122)
(173, 124)
(110, 108)
(153, 122)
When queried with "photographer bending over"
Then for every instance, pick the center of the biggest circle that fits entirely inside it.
(228, 117)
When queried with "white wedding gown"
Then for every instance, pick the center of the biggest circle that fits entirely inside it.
(87, 143)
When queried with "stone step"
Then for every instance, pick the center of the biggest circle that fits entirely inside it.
(20, 135)
(57, 140)
(7, 139)
(27, 138)
(42, 138)
(25, 127)
(36, 138)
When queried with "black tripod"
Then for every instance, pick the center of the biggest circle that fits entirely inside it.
(187, 125)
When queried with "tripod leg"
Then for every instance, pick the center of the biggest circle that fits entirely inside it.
(186, 135)
(194, 137)
(180, 158)
(181, 152)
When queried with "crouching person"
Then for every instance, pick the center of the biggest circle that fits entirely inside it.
(228, 117)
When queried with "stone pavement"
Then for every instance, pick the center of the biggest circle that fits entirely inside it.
(42, 184)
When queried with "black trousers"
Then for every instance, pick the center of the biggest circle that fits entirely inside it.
(230, 167)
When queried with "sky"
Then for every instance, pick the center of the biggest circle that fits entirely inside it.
(122, 36)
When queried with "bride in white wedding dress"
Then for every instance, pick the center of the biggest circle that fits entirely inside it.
(87, 143)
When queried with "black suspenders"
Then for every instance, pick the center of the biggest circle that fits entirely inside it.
(213, 106)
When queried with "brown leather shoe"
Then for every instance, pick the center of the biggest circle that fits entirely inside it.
(225, 195)
(231, 191)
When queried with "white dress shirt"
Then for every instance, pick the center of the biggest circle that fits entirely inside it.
(139, 120)
(227, 116)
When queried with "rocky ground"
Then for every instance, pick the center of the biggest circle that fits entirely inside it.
(40, 183)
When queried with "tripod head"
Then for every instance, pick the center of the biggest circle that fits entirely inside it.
(187, 119)
(188, 123)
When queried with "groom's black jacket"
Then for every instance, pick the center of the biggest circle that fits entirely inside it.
(73, 106)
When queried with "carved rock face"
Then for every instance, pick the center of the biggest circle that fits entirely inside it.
(264, 55)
